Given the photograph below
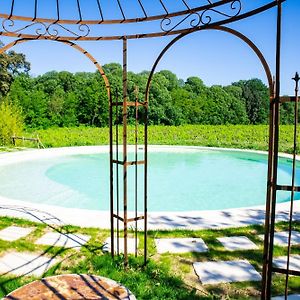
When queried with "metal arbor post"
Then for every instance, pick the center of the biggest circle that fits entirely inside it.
(122, 159)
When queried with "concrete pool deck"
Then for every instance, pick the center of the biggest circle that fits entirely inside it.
(193, 220)
(160, 220)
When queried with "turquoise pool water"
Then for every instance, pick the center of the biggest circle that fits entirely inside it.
(178, 181)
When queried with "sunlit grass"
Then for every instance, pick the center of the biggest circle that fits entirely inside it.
(227, 136)
(167, 276)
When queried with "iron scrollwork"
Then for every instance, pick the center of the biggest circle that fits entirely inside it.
(205, 17)
(52, 30)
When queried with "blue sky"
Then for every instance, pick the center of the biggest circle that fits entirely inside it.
(216, 57)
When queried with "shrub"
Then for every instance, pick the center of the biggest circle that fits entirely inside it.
(11, 122)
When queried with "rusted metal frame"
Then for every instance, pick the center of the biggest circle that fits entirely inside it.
(73, 45)
(296, 78)
(118, 217)
(146, 180)
(11, 9)
(288, 188)
(117, 175)
(108, 90)
(136, 218)
(164, 7)
(136, 168)
(100, 11)
(125, 115)
(143, 35)
(285, 271)
(273, 199)
(128, 163)
(270, 191)
(267, 285)
(122, 11)
(219, 28)
(143, 8)
(129, 103)
(266, 69)
(150, 18)
(285, 99)
(79, 12)
(111, 169)
(129, 220)
(35, 9)
(57, 10)
(186, 5)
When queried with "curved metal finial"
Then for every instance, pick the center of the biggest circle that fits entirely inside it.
(296, 78)
(206, 17)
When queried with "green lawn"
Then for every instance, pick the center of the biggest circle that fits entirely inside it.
(228, 136)
(167, 276)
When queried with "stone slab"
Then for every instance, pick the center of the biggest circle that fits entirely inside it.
(130, 245)
(281, 238)
(67, 240)
(21, 264)
(237, 243)
(180, 245)
(215, 272)
(281, 262)
(13, 233)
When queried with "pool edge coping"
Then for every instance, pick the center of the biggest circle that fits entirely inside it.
(206, 219)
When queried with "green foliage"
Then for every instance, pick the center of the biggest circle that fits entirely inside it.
(63, 99)
(11, 65)
(11, 122)
(227, 136)
(256, 97)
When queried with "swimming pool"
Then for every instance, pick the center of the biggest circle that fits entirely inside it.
(180, 179)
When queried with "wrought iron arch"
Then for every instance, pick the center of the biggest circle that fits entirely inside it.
(169, 20)
(73, 45)
(219, 28)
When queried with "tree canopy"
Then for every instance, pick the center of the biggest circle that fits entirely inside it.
(67, 99)
(12, 64)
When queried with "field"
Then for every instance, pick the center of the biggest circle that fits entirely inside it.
(227, 136)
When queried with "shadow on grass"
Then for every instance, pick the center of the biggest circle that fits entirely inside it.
(31, 268)
(151, 282)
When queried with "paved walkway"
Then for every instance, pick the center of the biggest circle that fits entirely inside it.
(208, 272)
(195, 220)
(31, 263)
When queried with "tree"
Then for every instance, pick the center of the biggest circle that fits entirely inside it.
(172, 80)
(195, 85)
(256, 97)
(12, 64)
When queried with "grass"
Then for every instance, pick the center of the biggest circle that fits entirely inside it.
(167, 276)
(228, 136)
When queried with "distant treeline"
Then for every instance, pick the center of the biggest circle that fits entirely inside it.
(66, 99)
